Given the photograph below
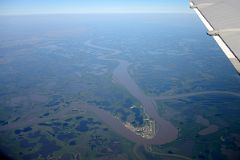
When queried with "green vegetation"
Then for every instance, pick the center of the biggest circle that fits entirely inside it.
(47, 75)
(220, 110)
(82, 136)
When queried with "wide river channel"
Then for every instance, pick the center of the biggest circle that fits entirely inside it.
(165, 131)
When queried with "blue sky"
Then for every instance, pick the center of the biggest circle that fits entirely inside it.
(19, 7)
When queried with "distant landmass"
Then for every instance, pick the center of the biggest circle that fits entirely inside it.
(115, 86)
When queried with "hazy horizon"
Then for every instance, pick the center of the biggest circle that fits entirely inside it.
(27, 7)
(120, 86)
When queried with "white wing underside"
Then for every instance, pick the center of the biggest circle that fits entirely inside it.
(222, 19)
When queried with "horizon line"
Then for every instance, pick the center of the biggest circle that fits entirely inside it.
(88, 13)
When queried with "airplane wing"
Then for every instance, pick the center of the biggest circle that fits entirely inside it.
(222, 19)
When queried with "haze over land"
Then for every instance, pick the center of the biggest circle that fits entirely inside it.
(29, 7)
(115, 86)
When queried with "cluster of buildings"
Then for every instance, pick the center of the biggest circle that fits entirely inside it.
(147, 131)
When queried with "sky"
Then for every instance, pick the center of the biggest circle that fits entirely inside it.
(28, 7)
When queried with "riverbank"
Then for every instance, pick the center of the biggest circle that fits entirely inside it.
(165, 131)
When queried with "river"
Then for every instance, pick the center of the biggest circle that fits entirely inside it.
(166, 132)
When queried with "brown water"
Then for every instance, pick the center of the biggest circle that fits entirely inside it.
(166, 132)
(209, 130)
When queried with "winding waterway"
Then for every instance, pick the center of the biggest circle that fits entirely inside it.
(166, 132)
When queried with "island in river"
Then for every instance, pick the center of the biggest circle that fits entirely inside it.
(143, 86)
(154, 125)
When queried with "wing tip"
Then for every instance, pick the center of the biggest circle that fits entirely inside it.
(227, 51)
